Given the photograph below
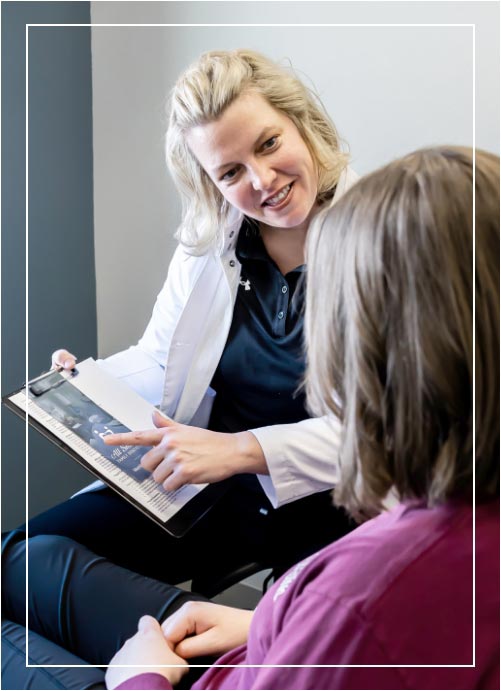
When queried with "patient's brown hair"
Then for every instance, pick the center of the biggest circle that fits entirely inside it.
(389, 329)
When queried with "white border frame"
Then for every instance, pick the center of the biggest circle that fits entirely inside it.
(312, 25)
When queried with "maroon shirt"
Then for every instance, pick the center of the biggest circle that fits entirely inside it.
(396, 591)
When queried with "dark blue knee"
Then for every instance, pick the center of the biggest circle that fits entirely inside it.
(48, 560)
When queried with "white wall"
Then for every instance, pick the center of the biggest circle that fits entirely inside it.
(389, 90)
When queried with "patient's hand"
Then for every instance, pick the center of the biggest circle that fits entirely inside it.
(148, 651)
(191, 455)
(204, 628)
(63, 359)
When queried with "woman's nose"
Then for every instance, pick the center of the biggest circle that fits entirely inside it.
(262, 177)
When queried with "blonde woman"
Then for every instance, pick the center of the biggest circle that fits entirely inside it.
(255, 157)
(395, 283)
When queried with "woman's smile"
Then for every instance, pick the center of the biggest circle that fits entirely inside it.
(280, 199)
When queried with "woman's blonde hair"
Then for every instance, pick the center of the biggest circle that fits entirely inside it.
(389, 329)
(201, 95)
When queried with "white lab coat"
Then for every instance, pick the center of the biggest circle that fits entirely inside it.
(175, 360)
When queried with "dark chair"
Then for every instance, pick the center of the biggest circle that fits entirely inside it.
(214, 582)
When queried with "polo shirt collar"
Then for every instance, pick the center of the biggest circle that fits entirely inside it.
(250, 244)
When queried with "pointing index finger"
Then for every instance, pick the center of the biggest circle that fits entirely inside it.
(144, 438)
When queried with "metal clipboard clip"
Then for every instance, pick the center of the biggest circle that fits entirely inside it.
(47, 381)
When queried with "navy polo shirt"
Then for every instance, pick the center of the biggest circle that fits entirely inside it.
(263, 361)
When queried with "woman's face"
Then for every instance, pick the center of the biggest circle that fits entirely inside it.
(256, 157)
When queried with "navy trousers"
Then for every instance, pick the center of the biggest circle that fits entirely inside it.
(96, 564)
(241, 528)
(81, 609)
(15, 674)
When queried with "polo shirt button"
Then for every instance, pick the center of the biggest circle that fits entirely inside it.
(232, 233)
(232, 262)
(280, 315)
(284, 289)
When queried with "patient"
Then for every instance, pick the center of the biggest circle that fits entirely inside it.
(391, 299)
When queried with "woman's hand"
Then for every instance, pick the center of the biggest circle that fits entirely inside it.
(204, 628)
(148, 650)
(63, 359)
(190, 455)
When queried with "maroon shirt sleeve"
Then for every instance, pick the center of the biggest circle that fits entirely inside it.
(148, 680)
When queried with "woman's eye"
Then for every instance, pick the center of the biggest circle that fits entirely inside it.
(229, 175)
(270, 143)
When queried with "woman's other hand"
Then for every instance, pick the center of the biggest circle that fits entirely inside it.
(63, 359)
(191, 455)
(149, 651)
(204, 628)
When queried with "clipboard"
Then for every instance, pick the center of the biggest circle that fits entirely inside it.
(51, 387)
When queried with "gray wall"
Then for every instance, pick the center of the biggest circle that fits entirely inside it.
(389, 90)
(61, 275)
